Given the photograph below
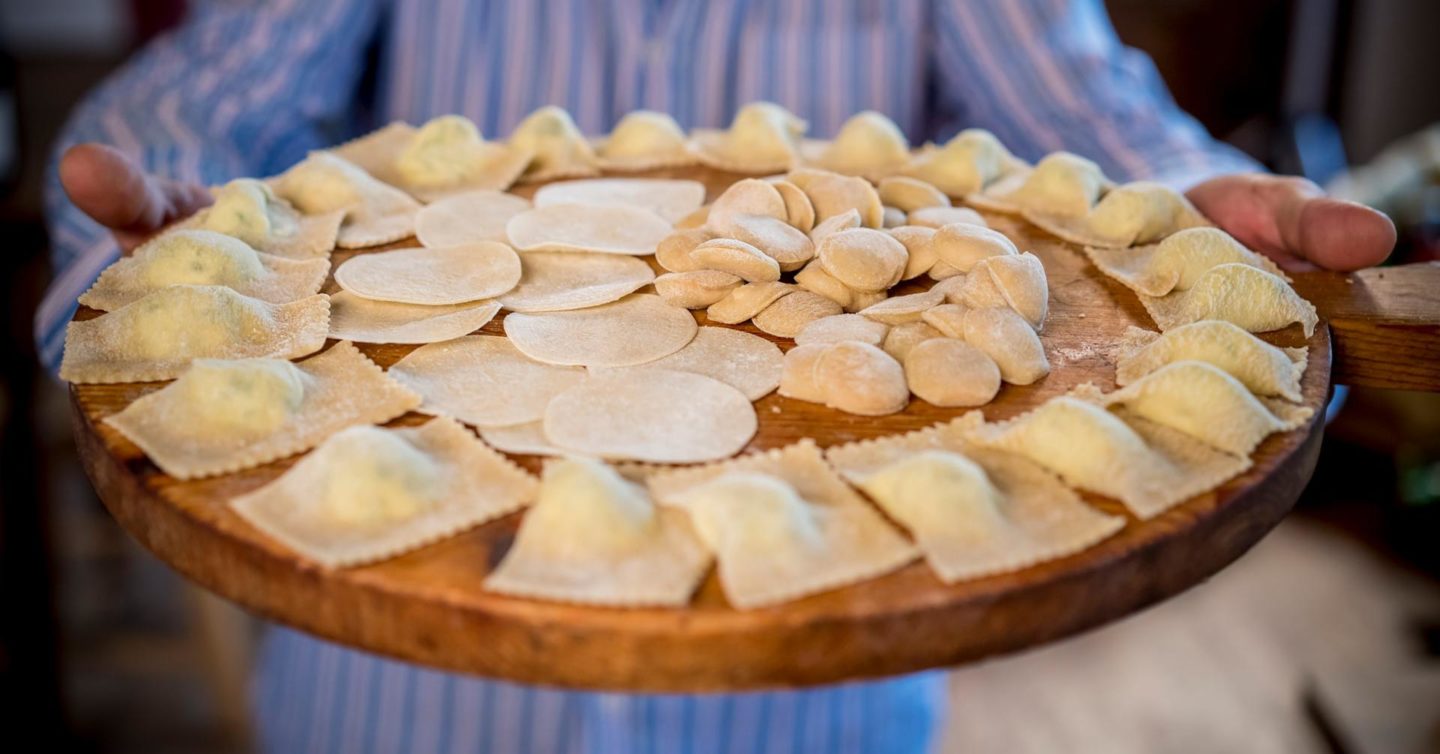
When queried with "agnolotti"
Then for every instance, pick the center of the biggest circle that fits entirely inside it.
(1259, 366)
(225, 415)
(1204, 402)
(969, 162)
(156, 337)
(763, 138)
(202, 257)
(1237, 293)
(555, 144)
(594, 537)
(1134, 213)
(368, 493)
(644, 140)
(375, 212)
(1176, 263)
(869, 145)
(1061, 184)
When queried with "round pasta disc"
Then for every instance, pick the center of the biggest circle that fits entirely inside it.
(746, 362)
(669, 198)
(365, 321)
(483, 380)
(468, 218)
(654, 415)
(451, 275)
(616, 229)
(638, 328)
(521, 439)
(552, 281)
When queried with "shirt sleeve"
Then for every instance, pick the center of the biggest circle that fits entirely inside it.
(1046, 75)
(239, 89)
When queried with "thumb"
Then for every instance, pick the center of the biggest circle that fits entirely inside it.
(113, 190)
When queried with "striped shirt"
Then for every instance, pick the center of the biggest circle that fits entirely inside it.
(247, 88)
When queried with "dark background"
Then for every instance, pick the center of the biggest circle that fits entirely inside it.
(104, 649)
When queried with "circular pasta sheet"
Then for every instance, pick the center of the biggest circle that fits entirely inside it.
(654, 415)
(638, 328)
(746, 362)
(669, 198)
(552, 281)
(365, 321)
(521, 439)
(616, 229)
(483, 380)
(466, 218)
(452, 275)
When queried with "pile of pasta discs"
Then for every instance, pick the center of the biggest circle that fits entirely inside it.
(639, 325)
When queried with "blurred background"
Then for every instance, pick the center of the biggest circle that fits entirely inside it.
(1324, 638)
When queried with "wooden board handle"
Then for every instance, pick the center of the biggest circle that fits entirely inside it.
(1385, 323)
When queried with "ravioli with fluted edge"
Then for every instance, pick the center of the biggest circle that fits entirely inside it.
(783, 525)
(556, 146)
(593, 537)
(156, 337)
(1146, 466)
(763, 138)
(967, 163)
(1259, 366)
(1061, 184)
(1237, 293)
(375, 213)
(645, 140)
(368, 493)
(1135, 213)
(1176, 263)
(868, 144)
(1204, 402)
(221, 416)
(249, 210)
(203, 257)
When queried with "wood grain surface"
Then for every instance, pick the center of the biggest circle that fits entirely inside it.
(428, 606)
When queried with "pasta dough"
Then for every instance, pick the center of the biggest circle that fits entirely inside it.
(1176, 263)
(156, 337)
(202, 257)
(1237, 293)
(638, 328)
(748, 363)
(365, 321)
(447, 275)
(587, 227)
(368, 494)
(1259, 366)
(594, 538)
(669, 198)
(483, 380)
(783, 525)
(654, 415)
(973, 512)
(552, 281)
(224, 416)
(468, 217)
(1147, 467)
(1204, 402)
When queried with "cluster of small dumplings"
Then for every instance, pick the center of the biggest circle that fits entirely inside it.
(851, 253)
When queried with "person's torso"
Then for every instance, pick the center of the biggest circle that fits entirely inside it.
(699, 60)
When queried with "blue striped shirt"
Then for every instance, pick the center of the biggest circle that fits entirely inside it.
(246, 89)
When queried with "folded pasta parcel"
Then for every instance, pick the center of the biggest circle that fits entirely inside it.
(368, 494)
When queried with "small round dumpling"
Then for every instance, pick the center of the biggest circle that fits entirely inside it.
(749, 196)
(1014, 280)
(962, 245)
(917, 241)
(777, 239)
(246, 399)
(834, 194)
(842, 327)
(863, 259)
(859, 378)
(902, 338)
(950, 372)
(1007, 338)
(789, 314)
(696, 289)
(737, 258)
(909, 194)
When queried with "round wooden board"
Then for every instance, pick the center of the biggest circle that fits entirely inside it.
(428, 606)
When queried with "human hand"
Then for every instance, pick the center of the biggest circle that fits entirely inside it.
(117, 193)
(1292, 221)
